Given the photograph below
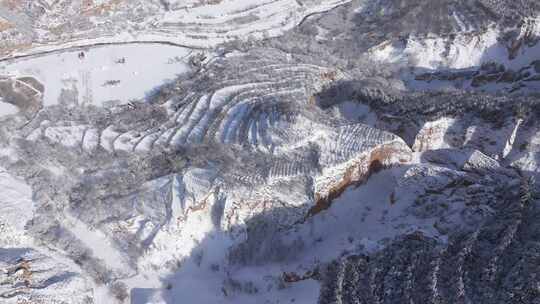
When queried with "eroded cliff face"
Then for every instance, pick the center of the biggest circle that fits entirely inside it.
(357, 171)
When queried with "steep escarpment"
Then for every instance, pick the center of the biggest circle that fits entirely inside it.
(357, 171)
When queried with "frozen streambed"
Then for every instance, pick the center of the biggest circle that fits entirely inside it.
(103, 74)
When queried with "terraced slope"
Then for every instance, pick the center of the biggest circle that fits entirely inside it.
(264, 110)
(239, 138)
(32, 25)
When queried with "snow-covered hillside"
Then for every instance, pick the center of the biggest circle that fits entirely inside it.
(269, 151)
(33, 26)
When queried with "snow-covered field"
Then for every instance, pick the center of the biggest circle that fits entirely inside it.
(16, 208)
(7, 109)
(115, 73)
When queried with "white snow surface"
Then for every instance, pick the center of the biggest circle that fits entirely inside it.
(114, 73)
(99, 243)
(362, 219)
(7, 109)
(16, 209)
(199, 244)
(431, 53)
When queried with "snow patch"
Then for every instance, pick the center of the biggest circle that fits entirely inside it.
(102, 75)
(16, 209)
(7, 109)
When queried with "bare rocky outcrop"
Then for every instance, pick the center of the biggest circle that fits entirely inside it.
(31, 276)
